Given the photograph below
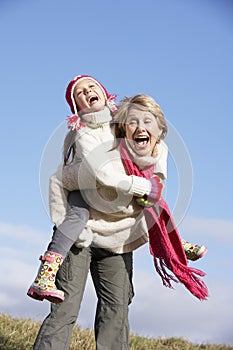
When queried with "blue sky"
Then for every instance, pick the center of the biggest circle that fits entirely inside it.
(180, 52)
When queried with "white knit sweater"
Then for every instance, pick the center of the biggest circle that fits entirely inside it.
(116, 222)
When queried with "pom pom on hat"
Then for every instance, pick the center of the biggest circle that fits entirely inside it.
(70, 91)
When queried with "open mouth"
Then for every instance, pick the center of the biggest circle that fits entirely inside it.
(93, 100)
(142, 141)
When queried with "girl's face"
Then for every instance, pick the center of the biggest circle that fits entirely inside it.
(89, 96)
(142, 131)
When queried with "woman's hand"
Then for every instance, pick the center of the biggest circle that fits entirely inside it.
(154, 195)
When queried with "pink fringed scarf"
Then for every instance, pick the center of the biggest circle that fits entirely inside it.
(164, 240)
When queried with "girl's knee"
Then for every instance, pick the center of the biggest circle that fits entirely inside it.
(82, 213)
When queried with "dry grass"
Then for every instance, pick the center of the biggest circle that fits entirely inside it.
(19, 334)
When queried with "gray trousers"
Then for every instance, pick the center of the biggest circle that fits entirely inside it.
(66, 234)
(112, 278)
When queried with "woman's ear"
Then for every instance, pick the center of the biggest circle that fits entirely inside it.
(162, 135)
(155, 151)
(159, 137)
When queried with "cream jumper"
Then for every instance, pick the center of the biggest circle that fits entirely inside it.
(116, 221)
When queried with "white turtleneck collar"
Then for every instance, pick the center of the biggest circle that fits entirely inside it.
(96, 119)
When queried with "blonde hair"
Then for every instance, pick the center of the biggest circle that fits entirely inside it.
(142, 102)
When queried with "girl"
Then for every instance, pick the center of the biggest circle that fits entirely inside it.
(94, 106)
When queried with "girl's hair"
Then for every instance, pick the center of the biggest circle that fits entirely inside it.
(69, 148)
(142, 102)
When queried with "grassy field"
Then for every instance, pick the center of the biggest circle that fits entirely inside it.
(19, 334)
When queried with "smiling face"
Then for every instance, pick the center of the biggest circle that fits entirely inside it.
(142, 131)
(88, 96)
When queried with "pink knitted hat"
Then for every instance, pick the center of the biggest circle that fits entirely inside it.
(74, 82)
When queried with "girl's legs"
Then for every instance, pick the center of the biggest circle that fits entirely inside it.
(63, 238)
(55, 332)
(75, 221)
(112, 277)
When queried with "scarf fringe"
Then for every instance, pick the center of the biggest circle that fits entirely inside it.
(185, 275)
(168, 253)
(166, 278)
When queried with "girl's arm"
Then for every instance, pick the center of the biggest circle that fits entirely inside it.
(96, 162)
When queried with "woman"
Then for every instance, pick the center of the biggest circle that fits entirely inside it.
(118, 226)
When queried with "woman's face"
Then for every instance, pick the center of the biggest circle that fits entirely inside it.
(142, 131)
(89, 96)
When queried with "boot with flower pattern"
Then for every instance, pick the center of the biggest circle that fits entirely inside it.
(193, 251)
(44, 285)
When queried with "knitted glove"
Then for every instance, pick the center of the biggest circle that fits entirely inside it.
(154, 195)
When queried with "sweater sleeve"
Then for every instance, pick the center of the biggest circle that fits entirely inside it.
(98, 160)
(70, 176)
(57, 198)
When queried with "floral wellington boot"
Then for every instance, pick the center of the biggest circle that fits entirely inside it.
(44, 285)
(193, 251)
